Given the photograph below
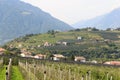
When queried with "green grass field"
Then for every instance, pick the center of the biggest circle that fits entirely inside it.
(2, 72)
(16, 74)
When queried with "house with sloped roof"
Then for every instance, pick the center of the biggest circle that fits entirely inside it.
(40, 56)
(2, 51)
(112, 63)
(80, 59)
(26, 54)
(79, 38)
(57, 57)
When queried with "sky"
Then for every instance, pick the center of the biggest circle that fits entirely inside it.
(72, 11)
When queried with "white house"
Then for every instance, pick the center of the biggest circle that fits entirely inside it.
(94, 61)
(40, 56)
(26, 54)
(20, 45)
(112, 63)
(80, 59)
(79, 38)
(57, 57)
(39, 46)
(61, 43)
(64, 43)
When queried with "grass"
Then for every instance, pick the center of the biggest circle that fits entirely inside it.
(2, 73)
(16, 74)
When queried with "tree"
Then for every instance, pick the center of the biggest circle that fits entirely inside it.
(52, 32)
(118, 29)
(72, 57)
(77, 29)
(95, 29)
(108, 29)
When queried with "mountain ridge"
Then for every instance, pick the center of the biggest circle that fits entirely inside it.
(109, 20)
(19, 18)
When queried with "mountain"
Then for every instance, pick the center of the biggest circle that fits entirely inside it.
(18, 18)
(110, 20)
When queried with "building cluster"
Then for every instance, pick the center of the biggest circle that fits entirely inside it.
(58, 57)
(55, 57)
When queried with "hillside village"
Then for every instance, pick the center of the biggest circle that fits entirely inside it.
(73, 45)
(49, 45)
(58, 57)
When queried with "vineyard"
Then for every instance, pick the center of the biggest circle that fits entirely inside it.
(33, 69)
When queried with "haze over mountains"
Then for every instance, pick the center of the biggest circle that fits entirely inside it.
(18, 18)
(110, 20)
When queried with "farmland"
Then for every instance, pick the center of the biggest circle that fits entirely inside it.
(47, 70)
(94, 45)
(91, 42)
(36, 45)
(32, 69)
(102, 45)
(39, 39)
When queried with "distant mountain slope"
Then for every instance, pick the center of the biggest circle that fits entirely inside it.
(110, 20)
(89, 39)
(18, 18)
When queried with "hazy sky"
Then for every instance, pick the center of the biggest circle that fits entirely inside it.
(72, 11)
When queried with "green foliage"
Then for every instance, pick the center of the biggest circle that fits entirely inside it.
(15, 61)
(7, 53)
(72, 57)
(111, 35)
(52, 32)
(2, 72)
(87, 29)
(5, 60)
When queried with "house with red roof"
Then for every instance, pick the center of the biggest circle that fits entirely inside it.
(2, 51)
